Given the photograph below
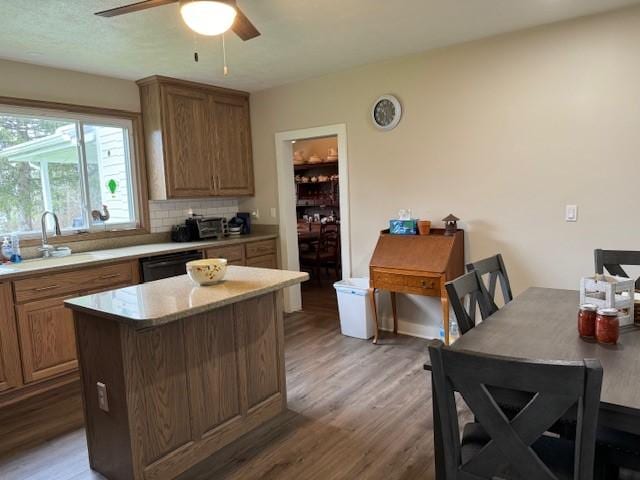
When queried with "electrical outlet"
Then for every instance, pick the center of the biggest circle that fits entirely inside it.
(571, 213)
(273, 212)
(255, 213)
(103, 401)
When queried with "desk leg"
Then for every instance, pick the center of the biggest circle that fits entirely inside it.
(374, 311)
(394, 309)
(438, 447)
(444, 300)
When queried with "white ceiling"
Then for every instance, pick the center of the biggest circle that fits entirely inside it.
(300, 38)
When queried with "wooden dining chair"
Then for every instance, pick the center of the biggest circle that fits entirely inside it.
(613, 260)
(325, 253)
(468, 289)
(493, 267)
(495, 446)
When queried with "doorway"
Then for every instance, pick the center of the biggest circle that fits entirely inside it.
(313, 199)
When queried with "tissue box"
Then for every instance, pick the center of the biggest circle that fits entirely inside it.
(403, 227)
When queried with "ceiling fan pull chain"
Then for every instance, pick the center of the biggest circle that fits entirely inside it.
(195, 47)
(225, 69)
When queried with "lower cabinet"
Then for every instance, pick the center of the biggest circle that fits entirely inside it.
(47, 339)
(45, 330)
(10, 372)
(261, 253)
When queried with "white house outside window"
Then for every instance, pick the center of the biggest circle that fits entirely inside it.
(70, 164)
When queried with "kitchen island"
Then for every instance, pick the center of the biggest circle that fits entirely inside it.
(172, 372)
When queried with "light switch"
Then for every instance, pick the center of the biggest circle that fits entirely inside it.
(103, 401)
(571, 213)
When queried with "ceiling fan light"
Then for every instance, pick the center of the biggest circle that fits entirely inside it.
(207, 17)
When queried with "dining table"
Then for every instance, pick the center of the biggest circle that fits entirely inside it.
(541, 324)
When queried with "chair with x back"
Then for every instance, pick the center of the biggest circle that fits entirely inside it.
(495, 446)
(495, 268)
(469, 289)
(613, 260)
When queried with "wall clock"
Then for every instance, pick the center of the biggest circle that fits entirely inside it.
(386, 112)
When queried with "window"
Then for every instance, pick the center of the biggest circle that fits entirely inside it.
(78, 166)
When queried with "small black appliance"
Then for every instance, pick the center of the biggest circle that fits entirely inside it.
(181, 233)
(246, 220)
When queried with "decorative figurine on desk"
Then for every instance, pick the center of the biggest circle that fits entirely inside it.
(450, 224)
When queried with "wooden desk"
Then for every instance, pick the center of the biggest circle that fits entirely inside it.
(416, 264)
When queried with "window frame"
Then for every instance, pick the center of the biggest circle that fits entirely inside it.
(90, 115)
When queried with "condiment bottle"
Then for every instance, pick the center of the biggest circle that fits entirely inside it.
(587, 320)
(607, 326)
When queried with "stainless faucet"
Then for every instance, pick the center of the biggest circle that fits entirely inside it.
(47, 249)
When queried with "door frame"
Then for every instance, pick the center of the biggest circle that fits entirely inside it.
(287, 202)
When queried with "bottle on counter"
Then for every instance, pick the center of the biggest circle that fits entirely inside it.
(16, 257)
(587, 320)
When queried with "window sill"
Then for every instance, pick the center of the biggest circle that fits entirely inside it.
(82, 237)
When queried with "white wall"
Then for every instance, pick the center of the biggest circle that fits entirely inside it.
(502, 132)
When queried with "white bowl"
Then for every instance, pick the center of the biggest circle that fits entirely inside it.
(207, 271)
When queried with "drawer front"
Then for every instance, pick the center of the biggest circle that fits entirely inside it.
(233, 254)
(266, 261)
(73, 281)
(399, 282)
(263, 247)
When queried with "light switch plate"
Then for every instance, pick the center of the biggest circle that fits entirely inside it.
(103, 400)
(571, 213)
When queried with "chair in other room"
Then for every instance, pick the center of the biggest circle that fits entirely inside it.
(468, 289)
(612, 261)
(324, 253)
(495, 268)
(520, 448)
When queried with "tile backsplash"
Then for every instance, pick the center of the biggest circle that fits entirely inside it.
(165, 213)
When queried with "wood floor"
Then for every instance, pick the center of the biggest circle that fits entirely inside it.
(356, 411)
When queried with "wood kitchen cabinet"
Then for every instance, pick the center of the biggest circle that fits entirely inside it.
(47, 341)
(10, 372)
(198, 139)
(261, 253)
(45, 327)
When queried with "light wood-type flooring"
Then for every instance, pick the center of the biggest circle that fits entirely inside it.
(356, 411)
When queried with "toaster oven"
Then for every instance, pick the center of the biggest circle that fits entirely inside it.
(207, 227)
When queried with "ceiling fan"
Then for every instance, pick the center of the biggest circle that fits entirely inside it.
(206, 17)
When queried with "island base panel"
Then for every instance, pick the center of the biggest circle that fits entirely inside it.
(179, 392)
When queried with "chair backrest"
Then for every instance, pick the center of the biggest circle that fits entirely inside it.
(556, 387)
(613, 260)
(469, 289)
(329, 240)
(495, 268)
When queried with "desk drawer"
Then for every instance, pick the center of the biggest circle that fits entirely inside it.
(399, 282)
(263, 247)
(73, 281)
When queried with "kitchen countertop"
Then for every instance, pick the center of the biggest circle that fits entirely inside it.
(75, 260)
(156, 303)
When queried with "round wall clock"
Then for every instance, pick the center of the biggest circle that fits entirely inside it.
(386, 112)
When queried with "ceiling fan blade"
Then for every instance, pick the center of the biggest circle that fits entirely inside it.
(134, 7)
(243, 27)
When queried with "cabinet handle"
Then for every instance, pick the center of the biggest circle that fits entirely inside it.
(48, 287)
(111, 275)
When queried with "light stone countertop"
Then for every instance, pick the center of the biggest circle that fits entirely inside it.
(75, 260)
(156, 303)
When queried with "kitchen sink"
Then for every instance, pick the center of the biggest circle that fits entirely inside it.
(38, 263)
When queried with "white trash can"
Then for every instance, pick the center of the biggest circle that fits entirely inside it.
(354, 305)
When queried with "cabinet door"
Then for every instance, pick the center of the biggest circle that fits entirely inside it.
(47, 339)
(188, 157)
(10, 372)
(233, 167)
(266, 261)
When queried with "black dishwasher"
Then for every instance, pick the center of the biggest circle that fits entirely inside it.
(165, 266)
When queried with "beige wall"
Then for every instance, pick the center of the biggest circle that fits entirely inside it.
(502, 132)
(34, 82)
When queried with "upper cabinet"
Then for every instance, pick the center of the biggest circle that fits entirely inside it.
(198, 139)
